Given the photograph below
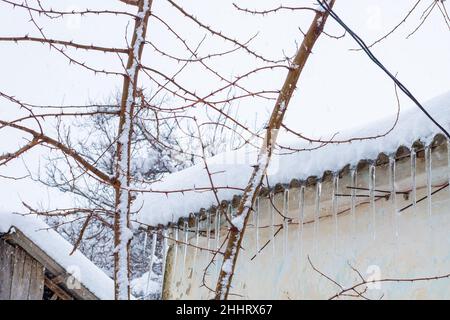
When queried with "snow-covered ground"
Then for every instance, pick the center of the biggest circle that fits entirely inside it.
(56, 247)
(233, 168)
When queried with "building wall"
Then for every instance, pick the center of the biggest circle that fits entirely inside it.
(375, 239)
(21, 276)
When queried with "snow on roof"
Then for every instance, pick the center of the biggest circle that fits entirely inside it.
(57, 248)
(233, 168)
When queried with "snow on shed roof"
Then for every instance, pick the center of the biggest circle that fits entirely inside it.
(58, 249)
(233, 168)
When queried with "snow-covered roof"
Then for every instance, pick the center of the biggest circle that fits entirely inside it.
(233, 168)
(58, 249)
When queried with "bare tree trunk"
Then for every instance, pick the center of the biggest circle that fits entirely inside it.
(264, 156)
(122, 232)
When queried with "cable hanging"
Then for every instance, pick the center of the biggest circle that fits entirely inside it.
(369, 53)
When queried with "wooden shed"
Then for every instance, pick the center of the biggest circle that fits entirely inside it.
(36, 264)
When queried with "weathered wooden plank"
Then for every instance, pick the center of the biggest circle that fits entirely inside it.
(17, 285)
(27, 275)
(36, 290)
(6, 269)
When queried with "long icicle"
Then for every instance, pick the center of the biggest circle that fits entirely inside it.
(144, 246)
(272, 221)
(301, 219)
(353, 182)
(208, 230)
(217, 229)
(429, 178)
(217, 226)
(413, 179)
(176, 244)
(372, 184)
(335, 208)
(165, 234)
(151, 261)
(393, 195)
(186, 240)
(317, 217)
(256, 224)
(272, 238)
(197, 240)
(286, 222)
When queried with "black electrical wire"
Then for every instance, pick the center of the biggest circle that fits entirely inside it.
(366, 49)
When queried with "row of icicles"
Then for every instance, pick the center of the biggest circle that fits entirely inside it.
(211, 245)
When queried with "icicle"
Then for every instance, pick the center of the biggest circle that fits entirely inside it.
(286, 221)
(177, 239)
(186, 240)
(353, 184)
(429, 178)
(317, 216)
(197, 239)
(335, 207)
(217, 226)
(353, 200)
(393, 195)
(413, 179)
(144, 246)
(256, 224)
(165, 234)
(175, 236)
(372, 184)
(301, 216)
(218, 243)
(164, 251)
(151, 260)
(217, 235)
(208, 229)
(272, 221)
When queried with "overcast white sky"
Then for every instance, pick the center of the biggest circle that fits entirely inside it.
(339, 88)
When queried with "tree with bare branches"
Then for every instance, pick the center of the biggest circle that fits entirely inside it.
(107, 154)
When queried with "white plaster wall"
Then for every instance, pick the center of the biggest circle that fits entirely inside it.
(409, 245)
